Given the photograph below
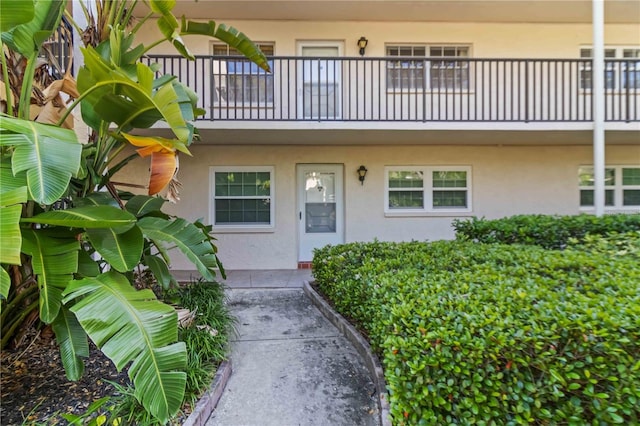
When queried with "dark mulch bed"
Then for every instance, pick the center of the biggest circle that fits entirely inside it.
(35, 389)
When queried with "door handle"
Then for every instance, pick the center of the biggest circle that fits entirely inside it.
(300, 215)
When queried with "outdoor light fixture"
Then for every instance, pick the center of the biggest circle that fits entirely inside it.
(362, 172)
(362, 43)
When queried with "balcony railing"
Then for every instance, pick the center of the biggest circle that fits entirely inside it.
(57, 50)
(406, 89)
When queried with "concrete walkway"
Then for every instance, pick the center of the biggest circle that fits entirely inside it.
(291, 366)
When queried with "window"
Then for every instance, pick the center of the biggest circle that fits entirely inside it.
(242, 196)
(442, 74)
(631, 68)
(428, 189)
(623, 73)
(240, 81)
(406, 73)
(449, 74)
(622, 187)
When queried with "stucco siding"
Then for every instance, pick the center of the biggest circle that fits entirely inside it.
(534, 172)
(487, 40)
(505, 180)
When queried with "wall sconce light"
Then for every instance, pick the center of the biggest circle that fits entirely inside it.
(362, 43)
(362, 172)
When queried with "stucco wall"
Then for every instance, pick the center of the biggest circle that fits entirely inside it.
(488, 40)
(506, 180)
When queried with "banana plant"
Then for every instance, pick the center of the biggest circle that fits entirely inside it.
(71, 239)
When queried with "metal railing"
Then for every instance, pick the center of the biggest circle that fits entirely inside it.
(406, 89)
(58, 48)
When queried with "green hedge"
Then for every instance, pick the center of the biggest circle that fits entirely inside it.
(496, 334)
(552, 232)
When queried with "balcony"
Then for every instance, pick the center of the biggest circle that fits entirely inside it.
(406, 89)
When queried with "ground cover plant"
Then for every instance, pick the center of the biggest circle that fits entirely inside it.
(497, 334)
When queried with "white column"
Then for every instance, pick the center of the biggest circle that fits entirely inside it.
(597, 92)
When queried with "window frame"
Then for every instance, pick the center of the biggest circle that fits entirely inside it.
(619, 83)
(617, 187)
(246, 225)
(217, 73)
(428, 190)
(427, 65)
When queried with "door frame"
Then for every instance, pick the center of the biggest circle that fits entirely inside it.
(308, 241)
(300, 45)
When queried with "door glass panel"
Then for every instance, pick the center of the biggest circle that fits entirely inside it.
(320, 202)
(321, 82)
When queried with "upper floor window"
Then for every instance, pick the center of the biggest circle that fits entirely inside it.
(242, 196)
(623, 74)
(434, 67)
(622, 187)
(240, 81)
(428, 189)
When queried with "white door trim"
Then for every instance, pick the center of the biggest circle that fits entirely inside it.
(307, 73)
(313, 217)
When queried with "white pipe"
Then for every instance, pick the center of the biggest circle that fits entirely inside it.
(597, 92)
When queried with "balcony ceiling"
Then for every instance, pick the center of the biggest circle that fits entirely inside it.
(552, 11)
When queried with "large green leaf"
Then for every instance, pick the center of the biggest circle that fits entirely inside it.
(160, 271)
(7, 180)
(55, 260)
(162, 7)
(96, 199)
(168, 25)
(10, 211)
(133, 326)
(188, 238)
(87, 267)
(206, 230)
(48, 155)
(122, 251)
(27, 38)
(11, 240)
(89, 217)
(114, 96)
(73, 343)
(229, 35)
(15, 12)
(142, 205)
(5, 283)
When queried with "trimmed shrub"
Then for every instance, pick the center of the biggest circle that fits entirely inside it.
(552, 232)
(614, 244)
(495, 334)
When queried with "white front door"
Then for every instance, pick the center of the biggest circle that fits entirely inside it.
(320, 207)
(321, 84)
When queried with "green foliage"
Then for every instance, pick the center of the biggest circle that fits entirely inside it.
(90, 417)
(497, 334)
(59, 209)
(47, 176)
(551, 232)
(206, 340)
(15, 12)
(156, 361)
(615, 244)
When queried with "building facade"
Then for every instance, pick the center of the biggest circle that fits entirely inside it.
(389, 119)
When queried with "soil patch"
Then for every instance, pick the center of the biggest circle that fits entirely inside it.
(35, 389)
